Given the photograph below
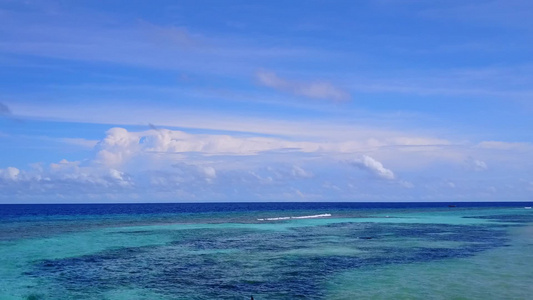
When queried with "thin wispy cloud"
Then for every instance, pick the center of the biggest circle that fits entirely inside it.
(317, 89)
(498, 145)
(172, 36)
(4, 110)
(476, 165)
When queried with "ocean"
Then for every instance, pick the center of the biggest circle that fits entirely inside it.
(267, 251)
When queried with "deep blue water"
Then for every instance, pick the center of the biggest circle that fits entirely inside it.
(269, 250)
(19, 210)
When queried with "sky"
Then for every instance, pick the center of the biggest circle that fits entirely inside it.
(206, 101)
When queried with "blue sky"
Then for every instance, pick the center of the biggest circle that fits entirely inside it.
(194, 101)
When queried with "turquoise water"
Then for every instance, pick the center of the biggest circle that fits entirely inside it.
(328, 251)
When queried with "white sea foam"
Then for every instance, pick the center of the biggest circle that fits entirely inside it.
(299, 217)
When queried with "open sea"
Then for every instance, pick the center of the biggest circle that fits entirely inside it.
(267, 250)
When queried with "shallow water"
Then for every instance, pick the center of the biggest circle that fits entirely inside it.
(232, 251)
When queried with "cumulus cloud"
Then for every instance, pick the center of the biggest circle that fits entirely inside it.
(318, 89)
(120, 145)
(155, 148)
(222, 166)
(373, 166)
(75, 172)
(173, 161)
(10, 173)
(65, 177)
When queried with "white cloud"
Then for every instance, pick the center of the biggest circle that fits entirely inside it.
(418, 141)
(497, 145)
(119, 177)
(9, 173)
(318, 89)
(476, 164)
(75, 172)
(373, 166)
(181, 176)
(221, 166)
(120, 146)
(297, 171)
(64, 176)
(210, 172)
(284, 172)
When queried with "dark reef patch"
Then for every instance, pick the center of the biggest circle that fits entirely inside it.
(268, 263)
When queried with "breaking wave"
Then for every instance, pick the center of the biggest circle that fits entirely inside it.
(299, 217)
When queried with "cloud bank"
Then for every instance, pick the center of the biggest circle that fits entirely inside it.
(173, 165)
